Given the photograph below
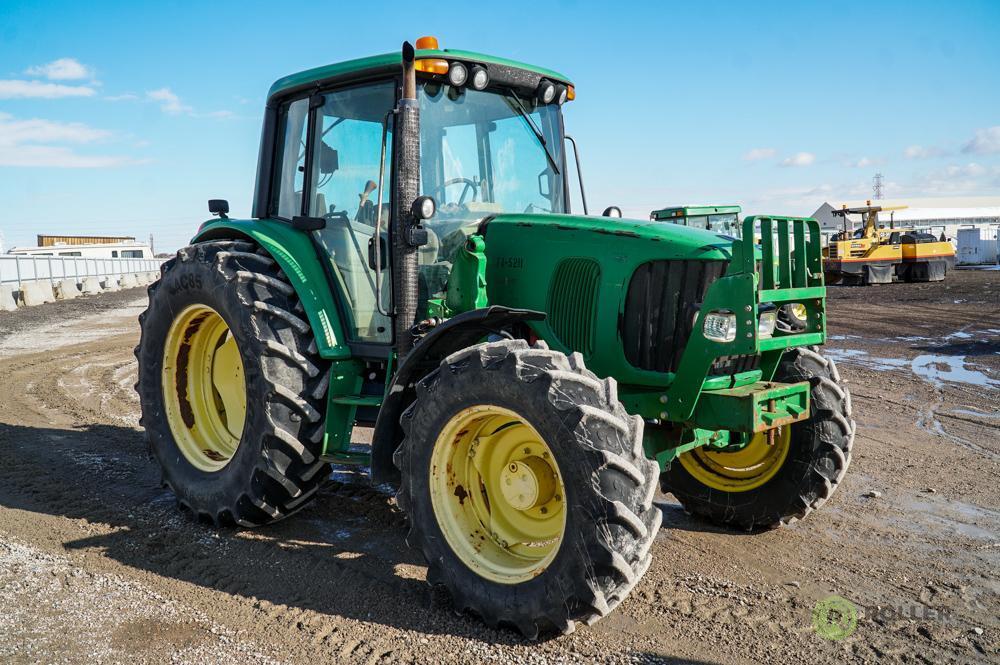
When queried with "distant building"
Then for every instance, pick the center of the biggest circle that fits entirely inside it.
(93, 247)
(51, 241)
(971, 223)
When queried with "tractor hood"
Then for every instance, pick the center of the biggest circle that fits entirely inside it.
(591, 274)
(608, 236)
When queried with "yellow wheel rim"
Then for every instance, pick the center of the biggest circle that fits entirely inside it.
(497, 494)
(204, 392)
(742, 470)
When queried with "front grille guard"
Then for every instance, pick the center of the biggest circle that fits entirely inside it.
(790, 271)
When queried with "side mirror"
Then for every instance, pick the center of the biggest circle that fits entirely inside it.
(300, 223)
(218, 207)
(329, 159)
(383, 259)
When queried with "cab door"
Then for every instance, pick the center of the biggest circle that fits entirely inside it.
(331, 159)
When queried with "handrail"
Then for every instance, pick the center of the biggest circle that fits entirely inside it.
(377, 238)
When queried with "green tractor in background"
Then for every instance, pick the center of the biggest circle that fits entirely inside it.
(412, 265)
(717, 219)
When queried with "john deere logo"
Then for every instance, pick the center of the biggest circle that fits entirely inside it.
(835, 618)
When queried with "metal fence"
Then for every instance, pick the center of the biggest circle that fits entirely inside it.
(18, 269)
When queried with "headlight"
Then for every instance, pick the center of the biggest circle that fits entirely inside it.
(480, 77)
(765, 323)
(423, 207)
(720, 326)
(546, 92)
(457, 74)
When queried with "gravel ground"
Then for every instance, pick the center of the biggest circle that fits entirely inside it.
(97, 565)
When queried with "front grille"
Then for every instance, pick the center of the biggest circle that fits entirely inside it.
(661, 301)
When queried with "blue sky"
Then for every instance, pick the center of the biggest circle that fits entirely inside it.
(124, 117)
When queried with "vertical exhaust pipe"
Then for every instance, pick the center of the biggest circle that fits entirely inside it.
(404, 251)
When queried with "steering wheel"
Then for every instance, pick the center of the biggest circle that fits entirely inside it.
(469, 185)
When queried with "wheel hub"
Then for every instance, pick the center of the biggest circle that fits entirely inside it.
(527, 483)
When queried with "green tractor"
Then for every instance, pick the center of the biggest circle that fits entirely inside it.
(412, 265)
(718, 219)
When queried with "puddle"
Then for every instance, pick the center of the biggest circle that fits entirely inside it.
(978, 414)
(964, 519)
(936, 369)
(984, 336)
(858, 357)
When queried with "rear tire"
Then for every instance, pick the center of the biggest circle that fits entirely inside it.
(275, 467)
(817, 459)
(610, 520)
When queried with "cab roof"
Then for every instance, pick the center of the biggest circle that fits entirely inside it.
(390, 63)
(691, 211)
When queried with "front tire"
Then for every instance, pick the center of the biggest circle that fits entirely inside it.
(506, 442)
(764, 486)
(231, 386)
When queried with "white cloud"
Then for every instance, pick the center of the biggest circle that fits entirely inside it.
(968, 179)
(923, 152)
(799, 159)
(63, 69)
(985, 142)
(862, 163)
(758, 154)
(55, 157)
(169, 102)
(27, 143)
(45, 131)
(18, 89)
(127, 97)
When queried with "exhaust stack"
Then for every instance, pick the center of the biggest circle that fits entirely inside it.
(404, 242)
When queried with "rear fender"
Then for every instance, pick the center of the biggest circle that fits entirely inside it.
(296, 254)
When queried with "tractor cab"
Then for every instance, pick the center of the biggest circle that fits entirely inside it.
(724, 220)
(490, 141)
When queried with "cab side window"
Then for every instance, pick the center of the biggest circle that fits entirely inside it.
(290, 174)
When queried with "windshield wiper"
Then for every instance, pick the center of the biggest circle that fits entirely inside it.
(523, 112)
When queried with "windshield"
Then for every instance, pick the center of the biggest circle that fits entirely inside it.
(726, 224)
(483, 153)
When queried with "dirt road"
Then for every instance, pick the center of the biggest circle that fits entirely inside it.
(97, 565)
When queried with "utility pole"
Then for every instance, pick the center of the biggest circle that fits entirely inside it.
(152, 247)
(877, 186)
